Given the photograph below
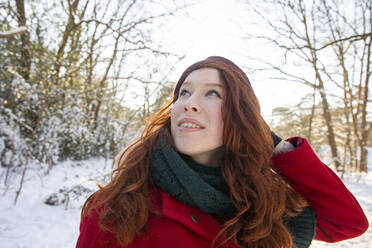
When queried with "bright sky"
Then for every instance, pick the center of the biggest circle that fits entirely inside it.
(215, 27)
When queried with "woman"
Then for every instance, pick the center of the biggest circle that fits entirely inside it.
(203, 174)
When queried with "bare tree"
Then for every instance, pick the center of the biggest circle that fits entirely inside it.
(333, 39)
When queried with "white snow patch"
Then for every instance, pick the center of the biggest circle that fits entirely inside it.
(33, 224)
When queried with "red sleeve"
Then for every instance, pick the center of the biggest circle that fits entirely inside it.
(339, 215)
(91, 236)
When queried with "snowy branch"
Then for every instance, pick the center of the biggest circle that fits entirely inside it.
(13, 32)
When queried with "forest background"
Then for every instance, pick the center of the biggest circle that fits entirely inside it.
(78, 78)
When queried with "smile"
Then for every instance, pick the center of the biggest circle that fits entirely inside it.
(190, 125)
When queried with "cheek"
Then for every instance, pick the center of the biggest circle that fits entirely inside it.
(220, 128)
(175, 111)
(218, 115)
(220, 124)
(218, 120)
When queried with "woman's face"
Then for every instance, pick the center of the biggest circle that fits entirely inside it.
(196, 119)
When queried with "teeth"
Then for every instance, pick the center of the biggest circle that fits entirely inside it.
(190, 125)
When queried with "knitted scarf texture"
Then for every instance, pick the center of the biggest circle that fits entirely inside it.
(189, 182)
(204, 187)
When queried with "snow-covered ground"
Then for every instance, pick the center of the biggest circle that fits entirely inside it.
(33, 224)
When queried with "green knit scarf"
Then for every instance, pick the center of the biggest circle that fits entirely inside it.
(189, 182)
(204, 187)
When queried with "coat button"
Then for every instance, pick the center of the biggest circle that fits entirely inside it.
(194, 218)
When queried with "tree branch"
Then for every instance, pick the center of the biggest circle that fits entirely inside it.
(10, 33)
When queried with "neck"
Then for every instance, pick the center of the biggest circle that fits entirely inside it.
(211, 159)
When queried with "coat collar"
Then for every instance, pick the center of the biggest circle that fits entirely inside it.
(191, 217)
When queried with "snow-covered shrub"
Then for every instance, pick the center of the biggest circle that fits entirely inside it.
(18, 113)
(13, 147)
(81, 136)
(65, 195)
(110, 136)
(48, 124)
(74, 134)
(46, 148)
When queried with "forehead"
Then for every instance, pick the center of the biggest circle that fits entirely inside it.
(204, 76)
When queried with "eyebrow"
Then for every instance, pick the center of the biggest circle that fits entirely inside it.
(207, 84)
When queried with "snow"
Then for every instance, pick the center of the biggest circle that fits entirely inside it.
(15, 31)
(33, 224)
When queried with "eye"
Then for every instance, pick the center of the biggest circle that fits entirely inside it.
(213, 93)
(184, 92)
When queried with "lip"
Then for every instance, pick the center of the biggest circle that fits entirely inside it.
(191, 121)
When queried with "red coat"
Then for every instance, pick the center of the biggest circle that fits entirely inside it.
(339, 215)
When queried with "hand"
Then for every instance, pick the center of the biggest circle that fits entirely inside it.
(283, 147)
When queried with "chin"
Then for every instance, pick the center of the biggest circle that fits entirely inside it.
(187, 151)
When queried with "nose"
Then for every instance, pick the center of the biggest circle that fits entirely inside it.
(192, 105)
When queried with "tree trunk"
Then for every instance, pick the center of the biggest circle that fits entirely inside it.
(25, 39)
(364, 126)
(331, 134)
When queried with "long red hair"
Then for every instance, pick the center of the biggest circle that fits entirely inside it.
(262, 198)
